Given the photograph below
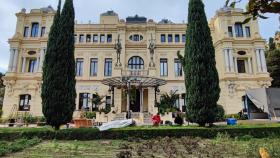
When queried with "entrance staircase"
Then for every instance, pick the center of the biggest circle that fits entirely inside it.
(147, 117)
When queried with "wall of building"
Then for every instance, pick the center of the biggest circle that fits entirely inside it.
(233, 84)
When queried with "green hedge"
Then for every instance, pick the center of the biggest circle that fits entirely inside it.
(92, 134)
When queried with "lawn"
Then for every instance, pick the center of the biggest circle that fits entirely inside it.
(221, 146)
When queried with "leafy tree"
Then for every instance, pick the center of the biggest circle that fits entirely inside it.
(257, 8)
(167, 102)
(201, 76)
(273, 66)
(58, 89)
(2, 91)
(1, 80)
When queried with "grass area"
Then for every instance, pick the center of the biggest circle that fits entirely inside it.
(7, 147)
(221, 146)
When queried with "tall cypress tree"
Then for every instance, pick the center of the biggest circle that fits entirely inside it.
(201, 76)
(58, 89)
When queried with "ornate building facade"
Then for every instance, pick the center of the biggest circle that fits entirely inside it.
(136, 53)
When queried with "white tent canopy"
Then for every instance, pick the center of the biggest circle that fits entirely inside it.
(266, 99)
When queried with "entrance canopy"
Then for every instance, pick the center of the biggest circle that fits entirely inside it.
(141, 81)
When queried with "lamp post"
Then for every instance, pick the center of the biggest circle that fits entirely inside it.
(128, 100)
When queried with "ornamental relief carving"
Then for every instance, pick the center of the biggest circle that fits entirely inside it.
(264, 84)
(232, 86)
(9, 87)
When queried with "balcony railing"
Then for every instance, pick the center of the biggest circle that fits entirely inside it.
(135, 72)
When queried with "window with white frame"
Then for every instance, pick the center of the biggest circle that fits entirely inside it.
(26, 32)
(178, 68)
(95, 38)
(79, 66)
(35, 29)
(108, 67)
(238, 29)
(82, 38)
(93, 66)
(24, 102)
(85, 101)
(163, 67)
(32, 65)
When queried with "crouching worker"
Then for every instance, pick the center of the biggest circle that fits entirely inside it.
(156, 119)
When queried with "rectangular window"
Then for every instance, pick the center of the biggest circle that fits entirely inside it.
(26, 32)
(24, 102)
(79, 67)
(109, 38)
(238, 30)
(95, 38)
(248, 32)
(241, 66)
(43, 31)
(177, 38)
(75, 38)
(163, 67)
(108, 67)
(82, 38)
(35, 29)
(85, 101)
(102, 38)
(183, 38)
(93, 66)
(108, 101)
(170, 38)
(178, 68)
(88, 38)
(230, 32)
(162, 38)
(32, 65)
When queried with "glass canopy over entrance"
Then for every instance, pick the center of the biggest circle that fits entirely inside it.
(134, 85)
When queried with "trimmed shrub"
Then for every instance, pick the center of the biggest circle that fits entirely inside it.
(144, 133)
(220, 112)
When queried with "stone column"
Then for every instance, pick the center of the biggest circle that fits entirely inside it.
(12, 54)
(15, 62)
(42, 58)
(141, 100)
(128, 96)
(23, 65)
(235, 65)
(226, 60)
(250, 65)
(37, 64)
(258, 60)
(231, 60)
(263, 61)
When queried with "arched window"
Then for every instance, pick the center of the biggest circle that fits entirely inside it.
(136, 62)
(24, 102)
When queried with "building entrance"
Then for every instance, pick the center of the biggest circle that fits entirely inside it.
(135, 100)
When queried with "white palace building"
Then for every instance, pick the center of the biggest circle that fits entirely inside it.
(136, 53)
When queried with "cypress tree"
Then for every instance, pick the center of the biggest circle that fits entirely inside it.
(58, 89)
(201, 76)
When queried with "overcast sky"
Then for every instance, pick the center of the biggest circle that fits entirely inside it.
(175, 10)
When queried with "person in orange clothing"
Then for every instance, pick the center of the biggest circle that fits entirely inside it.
(156, 119)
